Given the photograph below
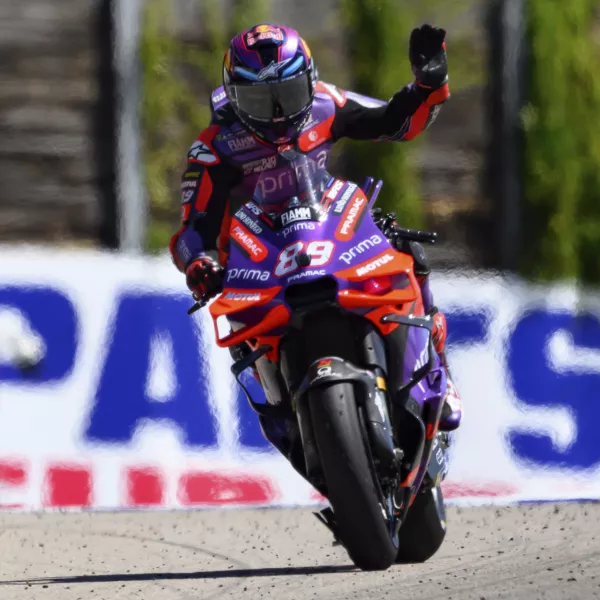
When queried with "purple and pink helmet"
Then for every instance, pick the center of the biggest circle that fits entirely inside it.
(270, 77)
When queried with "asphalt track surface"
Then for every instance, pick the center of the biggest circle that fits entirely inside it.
(529, 551)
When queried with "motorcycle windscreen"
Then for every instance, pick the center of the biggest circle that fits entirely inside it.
(302, 184)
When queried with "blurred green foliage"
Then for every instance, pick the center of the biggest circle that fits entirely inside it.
(562, 143)
(376, 63)
(170, 118)
(173, 112)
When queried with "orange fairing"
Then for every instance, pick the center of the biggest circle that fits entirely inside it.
(351, 299)
(389, 262)
(234, 300)
(277, 317)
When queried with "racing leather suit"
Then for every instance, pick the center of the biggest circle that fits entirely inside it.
(226, 161)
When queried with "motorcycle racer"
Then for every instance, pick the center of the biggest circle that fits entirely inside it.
(271, 97)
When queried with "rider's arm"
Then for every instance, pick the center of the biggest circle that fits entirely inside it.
(205, 187)
(412, 109)
(409, 112)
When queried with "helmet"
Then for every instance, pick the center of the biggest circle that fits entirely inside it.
(269, 77)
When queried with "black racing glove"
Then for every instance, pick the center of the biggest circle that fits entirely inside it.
(204, 277)
(427, 54)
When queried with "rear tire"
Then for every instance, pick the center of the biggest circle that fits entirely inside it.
(424, 528)
(360, 522)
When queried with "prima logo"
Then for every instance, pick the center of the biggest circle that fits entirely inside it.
(241, 297)
(247, 274)
(298, 227)
(286, 178)
(360, 248)
(296, 214)
(250, 223)
(372, 266)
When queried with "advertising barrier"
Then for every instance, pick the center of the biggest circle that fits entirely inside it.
(134, 405)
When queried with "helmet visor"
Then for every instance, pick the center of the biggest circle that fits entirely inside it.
(278, 100)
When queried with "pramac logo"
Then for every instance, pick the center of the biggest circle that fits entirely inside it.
(248, 243)
(352, 217)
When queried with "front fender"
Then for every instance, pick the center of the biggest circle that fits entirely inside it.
(331, 370)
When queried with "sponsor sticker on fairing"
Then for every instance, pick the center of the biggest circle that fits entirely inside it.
(303, 226)
(374, 265)
(189, 184)
(253, 208)
(336, 188)
(247, 274)
(296, 214)
(305, 274)
(340, 204)
(249, 222)
(351, 218)
(360, 248)
(247, 241)
(241, 297)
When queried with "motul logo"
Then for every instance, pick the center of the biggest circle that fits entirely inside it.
(242, 297)
(386, 258)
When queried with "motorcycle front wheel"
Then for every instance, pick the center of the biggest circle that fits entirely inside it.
(360, 519)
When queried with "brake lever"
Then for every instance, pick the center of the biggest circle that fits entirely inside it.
(197, 305)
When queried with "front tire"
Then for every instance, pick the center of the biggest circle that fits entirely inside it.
(359, 517)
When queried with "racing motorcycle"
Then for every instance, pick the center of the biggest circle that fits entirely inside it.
(328, 316)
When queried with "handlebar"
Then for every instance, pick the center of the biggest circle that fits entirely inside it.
(416, 235)
(387, 224)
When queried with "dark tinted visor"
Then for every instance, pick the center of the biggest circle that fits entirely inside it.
(274, 100)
